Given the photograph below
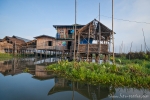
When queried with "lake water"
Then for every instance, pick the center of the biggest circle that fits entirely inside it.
(40, 85)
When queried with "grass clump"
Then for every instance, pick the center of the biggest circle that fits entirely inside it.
(5, 56)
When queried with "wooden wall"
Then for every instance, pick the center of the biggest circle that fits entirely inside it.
(93, 48)
(42, 43)
(4, 45)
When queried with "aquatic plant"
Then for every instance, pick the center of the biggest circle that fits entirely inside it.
(26, 70)
(105, 73)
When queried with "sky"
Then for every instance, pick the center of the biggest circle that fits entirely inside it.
(30, 18)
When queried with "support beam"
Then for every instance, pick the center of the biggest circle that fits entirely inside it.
(88, 44)
(113, 30)
(75, 35)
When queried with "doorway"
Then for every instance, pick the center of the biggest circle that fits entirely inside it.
(69, 44)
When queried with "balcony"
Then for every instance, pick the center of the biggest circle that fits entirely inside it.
(64, 36)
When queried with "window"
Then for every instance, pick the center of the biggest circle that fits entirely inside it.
(50, 43)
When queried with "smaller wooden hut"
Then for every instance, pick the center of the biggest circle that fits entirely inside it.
(16, 44)
(45, 42)
(11, 44)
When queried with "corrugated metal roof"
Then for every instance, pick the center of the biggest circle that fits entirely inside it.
(25, 40)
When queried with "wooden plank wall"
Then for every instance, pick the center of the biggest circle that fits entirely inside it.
(93, 48)
(42, 43)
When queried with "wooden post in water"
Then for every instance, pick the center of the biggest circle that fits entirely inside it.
(96, 57)
(88, 44)
(74, 56)
(113, 31)
(40, 53)
(50, 54)
(99, 41)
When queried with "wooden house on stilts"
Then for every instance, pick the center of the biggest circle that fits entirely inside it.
(65, 38)
(93, 38)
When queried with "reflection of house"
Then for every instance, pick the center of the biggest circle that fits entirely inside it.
(41, 73)
(90, 92)
(5, 67)
(16, 66)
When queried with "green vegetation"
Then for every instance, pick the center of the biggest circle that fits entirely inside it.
(138, 55)
(135, 55)
(132, 57)
(131, 75)
(5, 56)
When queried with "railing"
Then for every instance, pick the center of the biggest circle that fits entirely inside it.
(52, 47)
(61, 47)
(64, 36)
(46, 47)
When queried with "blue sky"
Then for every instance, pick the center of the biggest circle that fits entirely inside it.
(30, 18)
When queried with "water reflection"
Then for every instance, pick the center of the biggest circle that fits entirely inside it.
(53, 87)
(16, 66)
(88, 91)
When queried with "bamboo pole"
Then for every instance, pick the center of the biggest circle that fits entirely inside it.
(88, 44)
(99, 43)
(75, 34)
(113, 30)
(130, 50)
(144, 40)
(141, 47)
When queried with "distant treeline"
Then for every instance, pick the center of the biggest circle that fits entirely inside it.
(135, 55)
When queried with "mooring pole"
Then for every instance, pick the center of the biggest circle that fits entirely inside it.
(75, 34)
(99, 35)
(113, 30)
(144, 40)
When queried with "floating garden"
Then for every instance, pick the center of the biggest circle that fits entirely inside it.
(128, 75)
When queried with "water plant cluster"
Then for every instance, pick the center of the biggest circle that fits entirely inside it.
(131, 75)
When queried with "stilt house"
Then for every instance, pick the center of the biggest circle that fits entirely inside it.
(93, 38)
(45, 42)
(65, 35)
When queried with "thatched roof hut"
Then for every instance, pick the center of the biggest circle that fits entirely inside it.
(20, 38)
(13, 40)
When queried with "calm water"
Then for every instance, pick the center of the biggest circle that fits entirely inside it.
(40, 85)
